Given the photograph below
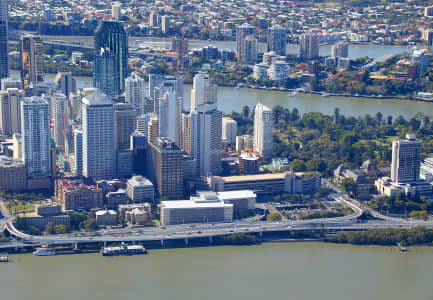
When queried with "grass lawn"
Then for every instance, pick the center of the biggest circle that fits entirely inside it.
(15, 206)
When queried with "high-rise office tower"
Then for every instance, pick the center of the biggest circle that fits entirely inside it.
(153, 20)
(277, 39)
(111, 58)
(165, 21)
(35, 135)
(107, 77)
(406, 159)
(135, 92)
(170, 115)
(206, 137)
(340, 49)
(229, 130)
(124, 116)
(4, 49)
(61, 122)
(116, 11)
(263, 130)
(99, 154)
(153, 128)
(78, 151)
(241, 33)
(203, 90)
(179, 45)
(164, 83)
(142, 122)
(185, 143)
(32, 60)
(10, 111)
(165, 168)
(309, 45)
(65, 83)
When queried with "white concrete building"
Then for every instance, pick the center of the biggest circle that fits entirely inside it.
(170, 116)
(279, 71)
(116, 10)
(140, 189)
(99, 154)
(406, 159)
(260, 71)
(195, 211)
(206, 137)
(203, 91)
(35, 127)
(135, 92)
(244, 142)
(229, 130)
(263, 130)
(60, 112)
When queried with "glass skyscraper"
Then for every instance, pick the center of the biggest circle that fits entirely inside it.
(4, 61)
(111, 58)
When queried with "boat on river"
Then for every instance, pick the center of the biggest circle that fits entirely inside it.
(44, 251)
(123, 249)
(4, 257)
(293, 93)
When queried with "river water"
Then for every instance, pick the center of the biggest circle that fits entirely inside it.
(355, 50)
(270, 271)
(232, 99)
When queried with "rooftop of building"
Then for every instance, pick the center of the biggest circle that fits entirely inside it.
(7, 162)
(97, 98)
(140, 181)
(105, 212)
(193, 204)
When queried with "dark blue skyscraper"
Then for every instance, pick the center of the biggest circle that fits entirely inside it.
(111, 58)
(4, 53)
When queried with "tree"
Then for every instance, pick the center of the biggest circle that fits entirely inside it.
(348, 185)
(273, 217)
(60, 229)
(91, 224)
(298, 165)
(49, 228)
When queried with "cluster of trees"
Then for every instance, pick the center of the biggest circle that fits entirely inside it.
(318, 142)
(81, 220)
(56, 229)
(386, 237)
(416, 207)
(238, 239)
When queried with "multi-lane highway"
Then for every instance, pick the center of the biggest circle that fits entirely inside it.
(186, 231)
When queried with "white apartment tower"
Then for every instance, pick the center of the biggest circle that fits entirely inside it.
(170, 116)
(135, 92)
(35, 125)
(60, 118)
(99, 155)
(229, 130)
(263, 130)
(203, 91)
(406, 159)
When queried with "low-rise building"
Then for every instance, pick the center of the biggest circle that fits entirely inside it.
(46, 213)
(195, 211)
(137, 214)
(75, 195)
(140, 189)
(268, 185)
(249, 163)
(106, 218)
(260, 71)
(243, 201)
(12, 175)
(114, 199)
(387, 187)
(364, 177)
